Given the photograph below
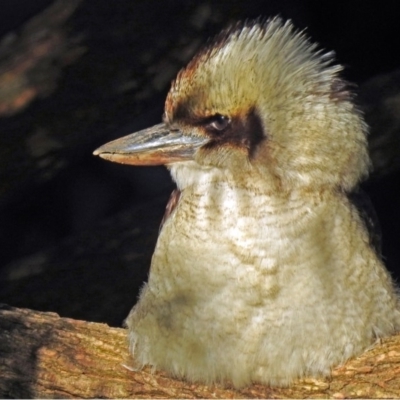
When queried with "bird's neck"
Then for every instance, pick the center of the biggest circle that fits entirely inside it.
(243, 189)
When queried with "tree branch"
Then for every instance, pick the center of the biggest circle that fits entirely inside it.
(43, 355)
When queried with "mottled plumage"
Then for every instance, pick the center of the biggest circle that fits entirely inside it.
(264, 270)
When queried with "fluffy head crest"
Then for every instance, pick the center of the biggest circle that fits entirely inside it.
(254, 59)
(272, 70)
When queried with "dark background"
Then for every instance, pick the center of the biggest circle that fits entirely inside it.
(73, 226)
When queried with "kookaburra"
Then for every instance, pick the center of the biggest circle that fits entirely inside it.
(264, 270)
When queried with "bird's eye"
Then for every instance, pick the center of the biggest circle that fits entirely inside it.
(219, 122)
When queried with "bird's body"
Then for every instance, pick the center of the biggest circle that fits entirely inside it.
(263, 296)
(264, 271)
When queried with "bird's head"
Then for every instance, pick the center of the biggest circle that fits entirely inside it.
(262, 100)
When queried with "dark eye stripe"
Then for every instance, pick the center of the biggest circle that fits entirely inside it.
(245, 132)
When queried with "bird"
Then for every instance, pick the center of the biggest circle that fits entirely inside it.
(264, 269)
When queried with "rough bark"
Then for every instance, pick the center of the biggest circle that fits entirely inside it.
(43, 355)
(31, 61)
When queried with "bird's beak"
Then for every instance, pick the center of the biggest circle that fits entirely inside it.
(157, 145)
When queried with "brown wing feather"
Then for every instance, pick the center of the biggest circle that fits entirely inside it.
(172, 203)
